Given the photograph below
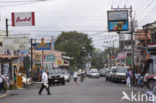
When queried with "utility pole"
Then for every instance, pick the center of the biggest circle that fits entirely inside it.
(132, 41)
(6, 21)
(31, 42)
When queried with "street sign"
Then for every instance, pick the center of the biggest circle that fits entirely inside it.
(117, 20)
(23, 19)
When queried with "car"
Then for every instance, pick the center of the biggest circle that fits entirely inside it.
(120, 74)
(66, 75)
(94, 73)
(150, 81)
(103, 72)
(56, 76)
(112, 73)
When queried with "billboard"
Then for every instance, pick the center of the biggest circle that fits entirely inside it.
(15, 43)
(118, 20)
(23, 19)
(118, 26)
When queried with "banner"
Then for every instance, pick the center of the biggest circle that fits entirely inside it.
(23, 19)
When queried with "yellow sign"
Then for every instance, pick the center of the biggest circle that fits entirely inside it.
(59, 62)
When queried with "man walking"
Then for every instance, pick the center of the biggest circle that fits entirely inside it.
(44, 83)
(128, 80)
(75, 76)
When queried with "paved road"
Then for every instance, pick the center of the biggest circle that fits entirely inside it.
(90, 91)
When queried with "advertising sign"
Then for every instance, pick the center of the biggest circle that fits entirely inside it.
(59, 62)
(15, 43)
(121, 55)
(118, 20)
(118, 15)
(43, 45)
(49, 58)
(118, 26)
(23, 19)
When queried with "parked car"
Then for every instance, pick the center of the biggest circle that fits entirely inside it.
(150, 81)
(120, 74)
(112, 73)
(66, 75)
(56, 76)
(94, 73)
(103, 72)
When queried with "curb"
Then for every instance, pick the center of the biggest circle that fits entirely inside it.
(4, 95)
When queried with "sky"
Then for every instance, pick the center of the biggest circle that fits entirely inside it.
(87, 16)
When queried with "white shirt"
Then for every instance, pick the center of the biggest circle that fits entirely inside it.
(1, 78)
(44, 78)
(75, 75)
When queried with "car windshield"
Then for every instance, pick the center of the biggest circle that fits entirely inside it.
(94, 71)
(121, 70)
(54, 72)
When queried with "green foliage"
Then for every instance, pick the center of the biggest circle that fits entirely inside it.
(76, 45)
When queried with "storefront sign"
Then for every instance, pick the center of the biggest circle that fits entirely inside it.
(23, 19)
(49, 58)
(59, 62)
(43, 45)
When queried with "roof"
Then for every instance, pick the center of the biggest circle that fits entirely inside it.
(3, 56)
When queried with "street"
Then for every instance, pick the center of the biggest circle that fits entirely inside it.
(90, 91)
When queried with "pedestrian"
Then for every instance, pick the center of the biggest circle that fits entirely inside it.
(2, 82)
(128, 80)
(75, 76)
(82, 76)
(45, 83)
(137, 75)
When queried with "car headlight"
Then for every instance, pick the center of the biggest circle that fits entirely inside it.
(154, 77)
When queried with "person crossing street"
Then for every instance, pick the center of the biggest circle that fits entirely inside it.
(44, 83)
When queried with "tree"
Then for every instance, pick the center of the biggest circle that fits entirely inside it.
(76, 45)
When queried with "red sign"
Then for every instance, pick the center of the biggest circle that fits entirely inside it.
(121, 55)
(23, 19)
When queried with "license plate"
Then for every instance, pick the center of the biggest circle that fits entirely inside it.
(56, 80)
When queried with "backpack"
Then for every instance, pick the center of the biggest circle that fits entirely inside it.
(127, 74)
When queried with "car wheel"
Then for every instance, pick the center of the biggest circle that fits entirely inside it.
(63, 83)
(151, 84)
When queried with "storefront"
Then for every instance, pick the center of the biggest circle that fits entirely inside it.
(7, 66)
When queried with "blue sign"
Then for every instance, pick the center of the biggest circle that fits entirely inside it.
(43, 46)
(118, 25)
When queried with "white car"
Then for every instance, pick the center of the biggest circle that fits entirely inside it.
(94, 73)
